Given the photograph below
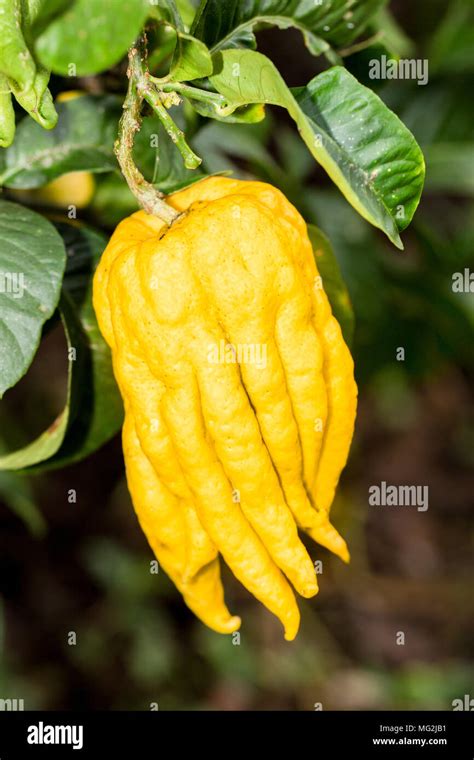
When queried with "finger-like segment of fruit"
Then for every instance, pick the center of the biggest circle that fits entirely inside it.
(302, 358)
(341, 388)
(157, 444)
(222, 517)
(204, 593)
(128, 236)
(303, 363)
(140, 283)
(338, 365)
(342, 397)
(156, 510)
(323, 532)
(144, 393)
(234, 430)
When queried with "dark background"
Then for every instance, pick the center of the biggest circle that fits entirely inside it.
(83, 567)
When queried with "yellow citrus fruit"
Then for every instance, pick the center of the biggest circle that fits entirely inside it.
(72, 189)
(63, 97)
(238, 388)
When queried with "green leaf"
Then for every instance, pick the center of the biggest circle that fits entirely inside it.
(232, 23)
(93, 35)
(334, 286)
(163, 166)
(450, 168)
(187, 10)
(17, 494)
(251, 114)
(170, 173)
(192, 60)
(48, 443)
(349, 21)
(175, 14)
(220, 144)
(112, 201)
(394, 38)
(98, 411)
(366, 150)
(46, 11)
(93, 412)
(32, 261)
(82, 141)
(452, 46)
(380, 165)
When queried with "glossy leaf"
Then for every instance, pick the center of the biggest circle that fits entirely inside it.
(177, 13)
(32, 261)
(380, 165)
(192, 59)
(93, 412)
(98, 411)
(229, 24)
(366, 150)
(164, 165)
(251, 114)
(91, 35)
(82, 141)
(187, 11)
(48, 443)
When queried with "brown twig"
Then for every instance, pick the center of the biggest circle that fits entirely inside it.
(148, 196)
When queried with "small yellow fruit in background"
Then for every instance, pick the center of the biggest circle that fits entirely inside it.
(73, 189)
(63, 97)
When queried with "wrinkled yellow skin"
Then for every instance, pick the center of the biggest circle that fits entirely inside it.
(226, 457)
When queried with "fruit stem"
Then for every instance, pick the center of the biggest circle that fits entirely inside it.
(148, 196)
(217, 101)
(191, 160)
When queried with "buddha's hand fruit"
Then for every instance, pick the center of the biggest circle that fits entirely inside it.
(238, 389)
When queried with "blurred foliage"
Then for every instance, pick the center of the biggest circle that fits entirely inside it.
(411, 572)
